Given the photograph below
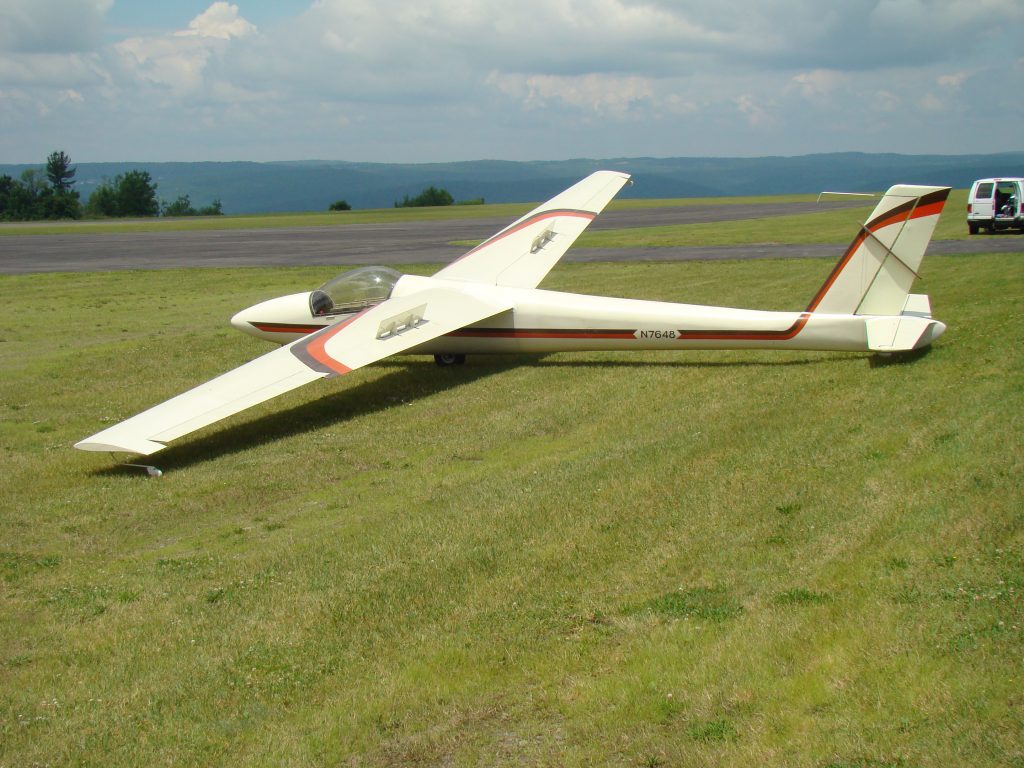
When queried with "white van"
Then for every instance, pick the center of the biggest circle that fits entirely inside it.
(995, 204)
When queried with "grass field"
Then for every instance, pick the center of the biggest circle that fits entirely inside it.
(263, 221)
(341, 218)
(824, 227)
(734, 559)
(827, 226)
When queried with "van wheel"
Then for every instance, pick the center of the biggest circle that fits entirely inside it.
(446, 360)
(972, 227)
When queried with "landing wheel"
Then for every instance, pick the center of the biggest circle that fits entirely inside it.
(445, 360)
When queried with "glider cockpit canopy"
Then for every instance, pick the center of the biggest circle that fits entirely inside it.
(353, 291)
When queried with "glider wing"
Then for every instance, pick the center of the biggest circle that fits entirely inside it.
(386, 329)
(525, 251)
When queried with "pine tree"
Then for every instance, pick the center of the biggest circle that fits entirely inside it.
(59, 171)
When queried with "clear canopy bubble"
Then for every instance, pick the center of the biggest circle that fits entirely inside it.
(353, 291)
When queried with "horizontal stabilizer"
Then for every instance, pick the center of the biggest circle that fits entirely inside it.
(902, 333)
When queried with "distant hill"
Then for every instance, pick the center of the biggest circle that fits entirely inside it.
(246, 187)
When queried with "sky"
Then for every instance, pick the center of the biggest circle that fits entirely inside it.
(445, 80)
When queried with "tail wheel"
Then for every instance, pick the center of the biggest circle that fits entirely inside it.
(446, 360)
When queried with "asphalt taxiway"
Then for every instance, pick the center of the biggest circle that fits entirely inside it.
(408, 243)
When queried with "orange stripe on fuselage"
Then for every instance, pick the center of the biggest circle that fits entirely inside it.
(286, 327)
(542, 333)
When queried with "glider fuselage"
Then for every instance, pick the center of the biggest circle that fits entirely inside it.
(551, 321)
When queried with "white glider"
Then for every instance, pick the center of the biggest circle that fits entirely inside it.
(487, 302)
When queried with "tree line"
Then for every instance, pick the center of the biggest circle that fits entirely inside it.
(434, 196)
(49, 194)
(41, 195)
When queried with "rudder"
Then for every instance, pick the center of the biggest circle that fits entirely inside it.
(876, 272)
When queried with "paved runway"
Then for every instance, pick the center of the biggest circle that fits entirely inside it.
(405, 243)
(1001, 244)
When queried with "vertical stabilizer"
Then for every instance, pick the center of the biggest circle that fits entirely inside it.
(875, 274)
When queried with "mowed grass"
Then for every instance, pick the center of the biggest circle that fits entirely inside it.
(825, 226)
(264, 221)
(705, 558)
(341, 218)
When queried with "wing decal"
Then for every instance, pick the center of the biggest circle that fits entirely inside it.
(520, 255)
(543, 239)
(310, 349)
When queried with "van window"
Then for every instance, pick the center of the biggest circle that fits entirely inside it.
(984, 191)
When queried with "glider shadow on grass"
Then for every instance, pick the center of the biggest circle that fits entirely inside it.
(412, 381)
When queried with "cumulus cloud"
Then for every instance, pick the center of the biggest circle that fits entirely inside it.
(599, 94)
(179, 60)
(221, 21)
(357, 78)
(49, 70)
(51, 26)
(954, 80)
(755, 113)
(561, 37)
(819, 82)
(930, 102)
(164, 61)
(884, 101)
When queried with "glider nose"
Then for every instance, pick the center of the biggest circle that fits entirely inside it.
(243, 321)
(281, 320)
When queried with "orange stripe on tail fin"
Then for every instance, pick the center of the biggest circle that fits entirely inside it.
(875, 274)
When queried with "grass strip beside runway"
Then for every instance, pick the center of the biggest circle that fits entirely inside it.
(707, 558)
